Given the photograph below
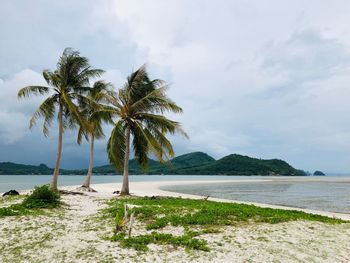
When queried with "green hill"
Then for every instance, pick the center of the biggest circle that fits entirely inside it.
(196, 163)
(9, 168)
(236, 164)
(134, 168)
(192, 159)
(14, 168)
(155, 167)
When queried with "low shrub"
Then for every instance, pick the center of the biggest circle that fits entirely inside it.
(42, 197)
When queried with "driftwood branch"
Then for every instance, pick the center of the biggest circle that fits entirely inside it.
(131, 223)
(126, 210)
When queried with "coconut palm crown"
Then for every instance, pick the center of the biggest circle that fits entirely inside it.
(65, 88)
(139, 107)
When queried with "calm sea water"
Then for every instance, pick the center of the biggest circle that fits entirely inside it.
(23, 182)
(322, 193)
(328, 193)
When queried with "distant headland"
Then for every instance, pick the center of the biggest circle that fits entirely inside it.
(195, 163)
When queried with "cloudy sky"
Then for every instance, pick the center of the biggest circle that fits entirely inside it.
(269, 79)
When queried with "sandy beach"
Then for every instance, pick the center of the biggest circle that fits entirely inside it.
(74, 235)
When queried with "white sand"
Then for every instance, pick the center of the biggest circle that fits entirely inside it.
(76, 235)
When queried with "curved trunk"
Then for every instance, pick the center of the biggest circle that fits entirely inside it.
(125, 186)
(87, 181)
(59, 151)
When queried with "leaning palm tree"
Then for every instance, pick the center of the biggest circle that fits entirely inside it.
(65, 87)
(139, 106)
(92, 109)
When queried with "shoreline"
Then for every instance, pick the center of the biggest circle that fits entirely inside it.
(106, 190)
(79, 231)
(153, 188)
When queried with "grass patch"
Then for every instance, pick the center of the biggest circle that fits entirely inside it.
(195, 233)
(208, 216)
(160, 212)
(140, 242)
(10, 199)
(41, 197)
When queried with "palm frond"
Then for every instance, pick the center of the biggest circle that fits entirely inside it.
(99, 90)
(116, 145)
(168, 150)
(32, 90)
(156, 101)
(153, 145)
(73, 110)
(113, 98)
(101, 115)
(98, 131)
(137, 78)
(160, 122)
(47, 111)
(89, 73)
(106, 114)
(140, 147)
(81, 133)
(52, 79)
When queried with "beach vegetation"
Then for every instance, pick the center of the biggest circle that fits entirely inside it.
(140, 242)
(192, 212)
(9, 199)
(119, 222)
(196, 217)
(42, 197)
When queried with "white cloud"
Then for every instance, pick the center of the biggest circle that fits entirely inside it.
(14, 115)
(268, 82)
(11, 130)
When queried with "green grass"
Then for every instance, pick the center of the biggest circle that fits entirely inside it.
(189, 212)
(209, 216)
(41, 197)
(141, 242)
(195, 233)
(4, 200)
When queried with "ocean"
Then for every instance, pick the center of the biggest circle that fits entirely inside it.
(327, 193)
(24, 182)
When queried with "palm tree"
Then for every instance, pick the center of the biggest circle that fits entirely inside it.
(92, 109)
(65, 87)
(139, 106)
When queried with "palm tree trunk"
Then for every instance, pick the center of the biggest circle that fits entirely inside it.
(125, 186)
(87, 181)
(59, 150)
